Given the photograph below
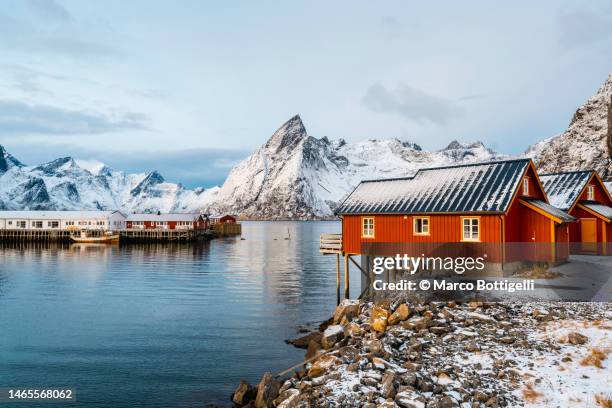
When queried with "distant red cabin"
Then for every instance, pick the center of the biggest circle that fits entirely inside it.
(497, 208)
(583, 195)
(222, 219)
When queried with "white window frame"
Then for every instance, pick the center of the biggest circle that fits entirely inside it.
(367, 227)
(425, 226)
(526, 186)
(591, 192)
(471, 222)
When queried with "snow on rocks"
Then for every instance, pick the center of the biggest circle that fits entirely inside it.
(586, 143)
(461, 355)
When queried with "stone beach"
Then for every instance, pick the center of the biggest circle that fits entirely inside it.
(443, 354)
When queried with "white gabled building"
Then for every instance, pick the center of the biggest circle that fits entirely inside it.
(62, 220)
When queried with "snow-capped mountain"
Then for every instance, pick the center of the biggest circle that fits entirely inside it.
(297, 176)
(293, 175)
(66, 184)
(587, 142)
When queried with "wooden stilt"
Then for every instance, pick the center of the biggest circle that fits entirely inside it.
(346, 277)
(337, 279)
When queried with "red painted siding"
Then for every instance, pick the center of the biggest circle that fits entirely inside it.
(534, 188)
(604, 232)
(525, 225)
(443, 229)
(562, 242)
(528, 235)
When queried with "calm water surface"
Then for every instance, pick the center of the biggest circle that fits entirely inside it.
(162, 325)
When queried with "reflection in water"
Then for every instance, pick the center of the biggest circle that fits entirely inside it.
(161, 324)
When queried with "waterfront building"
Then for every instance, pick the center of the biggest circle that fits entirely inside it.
(498, 210)
(62, 220)
(583, 195)
(170, 221)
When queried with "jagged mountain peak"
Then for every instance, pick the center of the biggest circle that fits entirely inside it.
(287, 136)
(58, 166)
(151, 179)
(312, 176)
(586, 143)
(154, 178)
(456, 145)
(606, 87)
(8, 161)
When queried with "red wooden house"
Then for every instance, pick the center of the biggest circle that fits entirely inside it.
(497, 208)
(583, 195)
(169, 221)
(222, 219)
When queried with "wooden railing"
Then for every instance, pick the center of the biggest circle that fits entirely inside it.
(330, 243)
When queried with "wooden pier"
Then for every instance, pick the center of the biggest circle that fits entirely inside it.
(160, 235)
(228, 228)
(331, 244)
(155, 234)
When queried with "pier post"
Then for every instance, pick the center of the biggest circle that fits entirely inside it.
(337, 279)
(346, 277)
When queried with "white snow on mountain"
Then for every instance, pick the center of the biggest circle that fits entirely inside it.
(293, 175)
(297, 176)
(69, 184)
(587, 142)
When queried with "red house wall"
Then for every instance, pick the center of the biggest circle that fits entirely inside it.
(528, 234)
(562, 247)
(443, 229)
(525, 225)
(534, 188)
(600, 194)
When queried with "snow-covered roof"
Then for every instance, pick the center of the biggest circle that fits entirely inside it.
(563, 189)
(601, 209)
(164, 217)
(471, 188)
(217, 216)
(554, 211)
(57, 215)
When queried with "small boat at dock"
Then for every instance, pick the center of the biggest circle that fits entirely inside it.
(107, 237)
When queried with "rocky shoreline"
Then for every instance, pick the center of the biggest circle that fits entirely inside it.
(444, 354)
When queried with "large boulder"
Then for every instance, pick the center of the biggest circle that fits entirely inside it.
(401, 313)
(304, 341)
(313, 350)
(387, 386)
(267, 391)
(322, 364)
(576, 338)
(331, 336)
(346, 309)
(244, 394)
(379, 319)
(287, 398)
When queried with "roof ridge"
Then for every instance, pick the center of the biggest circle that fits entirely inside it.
(475, 164)
(558, 173)
(447, 167)
(387, 179)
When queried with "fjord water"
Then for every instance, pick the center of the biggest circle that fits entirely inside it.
(162, 325)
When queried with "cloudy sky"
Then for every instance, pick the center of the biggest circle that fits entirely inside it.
(188, 88)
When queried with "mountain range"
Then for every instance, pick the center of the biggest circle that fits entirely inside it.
(293, 175)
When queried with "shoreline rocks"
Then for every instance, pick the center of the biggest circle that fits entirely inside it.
(423, 354)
